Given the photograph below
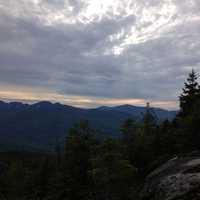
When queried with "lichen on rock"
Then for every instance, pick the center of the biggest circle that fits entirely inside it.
(177, 179)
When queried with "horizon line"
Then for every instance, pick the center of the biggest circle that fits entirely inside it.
(32, 102)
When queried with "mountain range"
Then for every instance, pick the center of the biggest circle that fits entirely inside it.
(44, 124)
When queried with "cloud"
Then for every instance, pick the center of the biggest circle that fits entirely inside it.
(27, 96)
(113, 50)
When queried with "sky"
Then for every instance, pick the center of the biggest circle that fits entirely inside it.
(89, 53)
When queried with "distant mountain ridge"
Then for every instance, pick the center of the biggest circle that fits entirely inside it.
(136, 111)
(43, 124)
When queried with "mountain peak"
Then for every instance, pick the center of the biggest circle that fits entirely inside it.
(39, 124)
(125, 106)
(43, 103)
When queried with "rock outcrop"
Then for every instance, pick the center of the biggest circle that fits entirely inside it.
(178, 179)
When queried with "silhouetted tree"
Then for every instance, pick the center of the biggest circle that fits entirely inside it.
(129, 131)
(112, 173)
(77, 157)
(188, 98)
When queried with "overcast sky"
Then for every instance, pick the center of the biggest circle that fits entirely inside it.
(98, 52)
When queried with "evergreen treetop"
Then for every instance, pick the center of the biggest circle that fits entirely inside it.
(190, 94)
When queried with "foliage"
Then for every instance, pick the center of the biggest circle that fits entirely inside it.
(190, 95)
(91, 168)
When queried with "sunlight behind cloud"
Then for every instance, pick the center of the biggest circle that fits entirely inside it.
(150, 24)
(151, 21)
(99, 48)
(97, 10)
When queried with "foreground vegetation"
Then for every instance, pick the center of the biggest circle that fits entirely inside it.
(104, 169)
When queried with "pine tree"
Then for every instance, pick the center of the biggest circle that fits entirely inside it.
(145, 152)
(112, 173)
(190, 94)
(77, 158)
(189, 118)
(128, 129)
(149, 121)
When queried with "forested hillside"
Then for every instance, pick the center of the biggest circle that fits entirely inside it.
(108, 168)
(43, 125)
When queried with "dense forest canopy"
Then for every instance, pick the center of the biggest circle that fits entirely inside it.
(104, 168)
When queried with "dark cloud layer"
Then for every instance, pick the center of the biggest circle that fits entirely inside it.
(135, 50)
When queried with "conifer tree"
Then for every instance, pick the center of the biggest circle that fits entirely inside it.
(128, 129)
(188, 118)
(149, 121)
(190, 94)
(77, 156)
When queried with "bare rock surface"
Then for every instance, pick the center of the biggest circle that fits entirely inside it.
(177, 179)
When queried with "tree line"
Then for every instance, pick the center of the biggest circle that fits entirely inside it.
(91, 168)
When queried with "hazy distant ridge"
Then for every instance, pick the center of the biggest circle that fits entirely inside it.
(42, 124)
